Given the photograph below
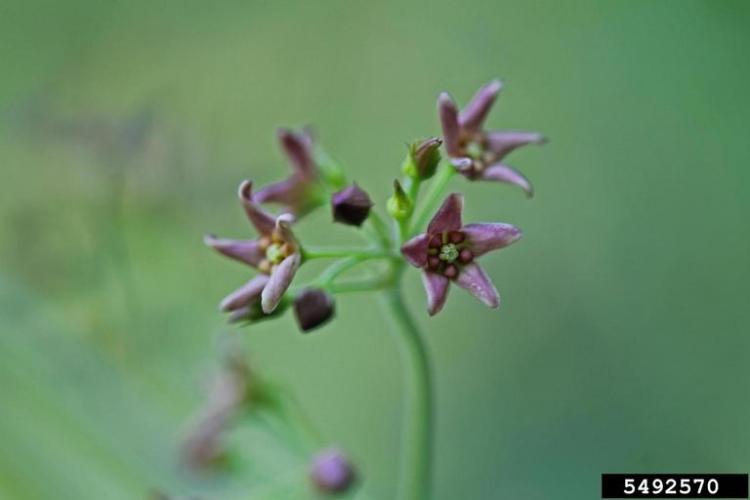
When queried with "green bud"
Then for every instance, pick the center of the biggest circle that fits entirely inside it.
(423, 158)
(399, 205)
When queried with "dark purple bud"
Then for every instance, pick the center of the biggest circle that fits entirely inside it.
(351, 206)
(331, 471)
(313, 308)
(423, 158)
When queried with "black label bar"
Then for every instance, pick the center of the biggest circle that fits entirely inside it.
(674, 486)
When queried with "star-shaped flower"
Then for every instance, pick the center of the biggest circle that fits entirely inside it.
(276, 254)
(447, 252)
(477, 153)
(298, 193)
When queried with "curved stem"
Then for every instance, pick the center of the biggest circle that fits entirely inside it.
(417, 435)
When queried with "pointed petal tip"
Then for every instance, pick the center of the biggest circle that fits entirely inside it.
(494, 87)
(444, 98)
(285, 219)
(448, 216)
(245, 190)
(474, 280)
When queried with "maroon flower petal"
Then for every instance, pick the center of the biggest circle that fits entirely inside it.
(289, 192)
(281, 278)
(263, 221)
(436, 287)
(415, 250)
(474, 114)
(509, 175)
(501, 143)
(448, 216)
(298, 149)
(247, 251)
(449, 120)
(486, 237)
(247, 293)
(473, 279)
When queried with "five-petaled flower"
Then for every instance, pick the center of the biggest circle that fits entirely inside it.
(447, 252)
(276, 254)
(298, 193)
(478, 153)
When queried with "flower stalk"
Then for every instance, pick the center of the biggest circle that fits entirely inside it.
(417, 444)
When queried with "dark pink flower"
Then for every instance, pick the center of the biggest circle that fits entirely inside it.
(478, 154)
(448, 252)
(298, 192)
(276, 254)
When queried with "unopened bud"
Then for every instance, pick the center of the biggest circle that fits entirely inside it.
(351, 205)
(399, 205)
(331, 471)
(313, 308)
(423, 158)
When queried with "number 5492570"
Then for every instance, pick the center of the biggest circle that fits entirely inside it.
(685, 486)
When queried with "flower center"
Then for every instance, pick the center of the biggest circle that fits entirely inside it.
(275, 253)
(448, 252)
(474, 150)
(276, 250)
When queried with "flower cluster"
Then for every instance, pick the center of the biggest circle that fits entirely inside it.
(445, 250)
(426, 232)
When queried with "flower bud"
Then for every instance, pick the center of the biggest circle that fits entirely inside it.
(313, 308)
(399, 205)
(331, 471)
(423, 158)
(351, 206)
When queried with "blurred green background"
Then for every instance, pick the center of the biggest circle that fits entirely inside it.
(623, 339)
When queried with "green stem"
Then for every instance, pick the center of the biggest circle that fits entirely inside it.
(445, 174)
(331, 273)
(337, 253)
(417, 436)
(367, 285)
(382, 234)
(412, 188)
